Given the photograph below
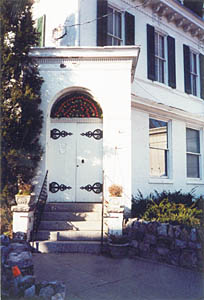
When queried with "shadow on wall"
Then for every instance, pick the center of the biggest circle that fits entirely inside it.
(66, 34)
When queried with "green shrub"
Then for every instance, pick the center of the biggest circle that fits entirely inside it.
(169, 212)
(172, 207)
(6, 221)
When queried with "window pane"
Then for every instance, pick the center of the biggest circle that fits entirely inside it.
(194, 64)
(158, 143)
(158, 162)
(161, 71)
(156, 44)
(161, 46)
(156, 69)
(109, 41)
(117, 24)
(194, 84)
(193, 166)
(110, 20)
(158, 137)
(116, 42)
(192, 140)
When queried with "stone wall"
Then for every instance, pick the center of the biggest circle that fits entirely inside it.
(173, 244)
(17, 272)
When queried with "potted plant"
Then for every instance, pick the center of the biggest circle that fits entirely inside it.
(25, 197)
(118, 245)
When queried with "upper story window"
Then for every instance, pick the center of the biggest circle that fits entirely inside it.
(161, 62)
(158, 146)
(113, 26)
(160, 59)
(193, 72)
(193, 153)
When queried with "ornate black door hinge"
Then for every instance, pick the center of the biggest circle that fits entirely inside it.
(96, 187)
(54, 187)
(96, 134)
(56, 133)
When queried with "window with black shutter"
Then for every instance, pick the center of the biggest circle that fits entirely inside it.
(171, 62)
(102, 22)
(150, 52)
(201, 61)
(187, 76)
(161, 67)
(114, 27)
(41, 31)
(129, 29)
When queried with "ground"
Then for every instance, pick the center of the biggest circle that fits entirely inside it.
(92, 277)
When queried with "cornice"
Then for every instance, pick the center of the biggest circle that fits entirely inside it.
(75, 55)
(166, 111)
(178, 14)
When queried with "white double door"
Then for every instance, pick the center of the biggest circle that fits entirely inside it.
(75, 162)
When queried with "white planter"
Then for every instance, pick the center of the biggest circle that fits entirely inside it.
(24, 200)
(116, 204)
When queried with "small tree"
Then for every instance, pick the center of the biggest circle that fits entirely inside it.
(21, 121)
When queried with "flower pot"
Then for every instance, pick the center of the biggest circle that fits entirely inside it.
(118, 250)
(25, 200)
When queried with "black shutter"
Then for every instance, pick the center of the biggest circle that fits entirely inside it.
(187, 75)
(171, 62)
(201, 76)
(102, 22)
(129, 29)
(150, 52)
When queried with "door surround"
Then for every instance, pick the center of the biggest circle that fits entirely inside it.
(75, 107)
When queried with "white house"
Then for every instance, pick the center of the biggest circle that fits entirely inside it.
(123, 97)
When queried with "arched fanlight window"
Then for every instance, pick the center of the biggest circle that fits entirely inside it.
(76, 105)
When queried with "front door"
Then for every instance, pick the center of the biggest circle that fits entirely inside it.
(75, 162)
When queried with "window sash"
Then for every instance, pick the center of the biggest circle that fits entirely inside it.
(114, 27)
(193, 153)
(193, 165)
(158, 147)
(158, 162)
(159, 57)
(192, 141)
(194, 73)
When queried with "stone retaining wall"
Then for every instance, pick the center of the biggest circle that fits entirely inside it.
(173, 244)
(17, 252)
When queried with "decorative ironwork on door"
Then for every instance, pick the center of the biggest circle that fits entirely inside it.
(96, 188)
(96, 134)
(54, 187)
(56, 133)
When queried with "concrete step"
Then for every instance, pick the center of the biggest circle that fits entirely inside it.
(69, 235)
(73, 207)
(71, 216)
(68, 247)
(70, 225)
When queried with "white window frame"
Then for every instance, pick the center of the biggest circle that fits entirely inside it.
(195, 73)
(161, 59)
(194, 180)
(168, 177)
(112, 35)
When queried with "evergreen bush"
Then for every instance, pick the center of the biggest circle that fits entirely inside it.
(21, 117)
(21, 121)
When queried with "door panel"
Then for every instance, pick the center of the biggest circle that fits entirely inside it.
(62, 158)
(89, 162)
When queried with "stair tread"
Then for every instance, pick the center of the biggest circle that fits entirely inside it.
(73, 206)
